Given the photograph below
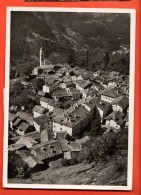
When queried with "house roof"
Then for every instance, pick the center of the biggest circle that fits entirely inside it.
(17, 121)
(24, 126)
(50, 66)
(61, 135)
(111, 92)
(73, 118)
(34, 135)
(42, 119)
(104, 106)
(61, 93)
(67, 78)
(115, 115)
(47, 149)
(122, 101)
(75, 146)
(83, 83)
(26, 116)
(14, 147)
(29, 158)
(98, 103)
(50, 102)
(119, 121)
(90, 91)
(39, 109)
(64, 145)
(74, 91)
(27, 141)
(24, 154)
(93, 102)
(12, 117)
(57, 111)
(38, 67)
(41, 93)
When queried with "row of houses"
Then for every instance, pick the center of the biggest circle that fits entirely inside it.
(51, 132)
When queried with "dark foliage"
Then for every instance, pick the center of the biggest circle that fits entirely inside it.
(16, 166)
(102, 148)
(38, 84)
(76, 38)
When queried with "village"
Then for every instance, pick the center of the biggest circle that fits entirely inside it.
(93, 102)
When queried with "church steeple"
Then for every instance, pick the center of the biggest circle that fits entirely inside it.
(41, 56)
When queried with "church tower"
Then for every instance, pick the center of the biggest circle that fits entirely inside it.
(41, 56)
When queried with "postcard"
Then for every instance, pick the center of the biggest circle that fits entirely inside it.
(69, 98)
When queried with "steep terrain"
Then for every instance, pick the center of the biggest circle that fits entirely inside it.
(77, 38)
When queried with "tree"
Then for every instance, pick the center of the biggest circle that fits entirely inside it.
(16, 166)
(93, 151)
(38, 84)
(16, 88)
(99, 149)
(106, 59)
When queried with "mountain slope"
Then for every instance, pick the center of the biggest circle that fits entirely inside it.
(68, 37)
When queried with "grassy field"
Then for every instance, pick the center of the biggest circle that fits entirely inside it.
(80, 174)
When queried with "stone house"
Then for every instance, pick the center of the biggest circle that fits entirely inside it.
(121, 104)
(115, 120)
(109, 95)
(74, 122)
(47, 103)
(47, 151)
(39, 111)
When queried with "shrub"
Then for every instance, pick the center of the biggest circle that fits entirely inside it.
(69, 162)
(93, 151)
(65, 162)
(121, 165)
(16, 166)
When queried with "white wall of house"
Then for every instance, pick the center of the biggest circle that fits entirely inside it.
(112, 84)
(45, 105)
(73, 78)
(106, 98)
(117, 108)
(79, 88)
(35, 71)
(20, 132)
(80, 77)
(58, 127)
(63, 85)
(112, 123)
(84, 94)
(46, 89)
(37, 127)
(101, 112)
(87, 107)
(36, 114)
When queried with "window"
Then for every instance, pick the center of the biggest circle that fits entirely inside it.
(53, 151)
(50, 146)
(44, 149)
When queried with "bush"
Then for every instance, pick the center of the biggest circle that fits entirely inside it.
(65, 162)
(99, 149)
(69, 162)
(16, 166)
(93, 151)
(121, 165)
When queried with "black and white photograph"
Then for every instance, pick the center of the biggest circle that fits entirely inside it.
(69, 98)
